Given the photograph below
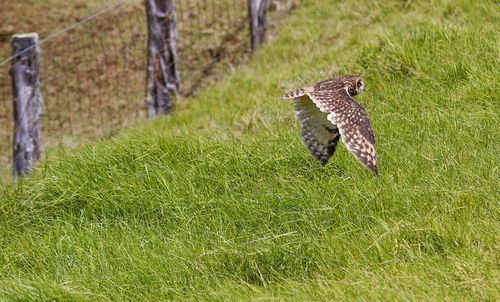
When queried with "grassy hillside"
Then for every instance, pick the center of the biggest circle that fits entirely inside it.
(220, 201)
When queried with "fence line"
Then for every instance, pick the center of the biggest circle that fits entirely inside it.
(93, 72)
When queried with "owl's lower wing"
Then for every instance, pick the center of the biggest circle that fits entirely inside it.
(319, 135)
(353, 123)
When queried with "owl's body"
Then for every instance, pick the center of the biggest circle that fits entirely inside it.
(327, 112)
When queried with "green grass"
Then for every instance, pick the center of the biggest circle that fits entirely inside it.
(221, 202)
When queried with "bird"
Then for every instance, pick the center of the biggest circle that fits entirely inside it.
(327, 112)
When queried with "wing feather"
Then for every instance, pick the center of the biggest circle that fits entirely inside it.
(318, 134)
(352, 121)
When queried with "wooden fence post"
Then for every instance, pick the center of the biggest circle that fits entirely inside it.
(257, 13)
(27, 104)
(162, 77)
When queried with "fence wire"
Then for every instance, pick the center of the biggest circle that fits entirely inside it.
(93, 76)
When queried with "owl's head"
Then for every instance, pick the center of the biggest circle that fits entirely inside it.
(354, 85)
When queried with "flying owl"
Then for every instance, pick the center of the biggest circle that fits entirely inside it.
(327, 112)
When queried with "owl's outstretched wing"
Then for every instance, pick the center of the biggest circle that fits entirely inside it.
(352, 121)
(319, 135)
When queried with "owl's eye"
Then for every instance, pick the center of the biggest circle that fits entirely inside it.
(360, 84)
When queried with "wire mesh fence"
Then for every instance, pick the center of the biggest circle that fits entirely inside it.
(6, 123)
(209, 32)
(93, 77)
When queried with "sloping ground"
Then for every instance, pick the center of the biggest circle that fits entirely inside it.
(220, 201)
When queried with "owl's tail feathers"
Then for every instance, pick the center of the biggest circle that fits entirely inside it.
(294, 94)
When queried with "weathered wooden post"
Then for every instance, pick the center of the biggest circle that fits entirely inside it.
(28, 101)
(162, 78)
(257, 13)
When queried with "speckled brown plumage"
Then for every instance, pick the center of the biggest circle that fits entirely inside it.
(327, 111)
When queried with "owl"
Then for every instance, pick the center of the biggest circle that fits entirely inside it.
(327, 112)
